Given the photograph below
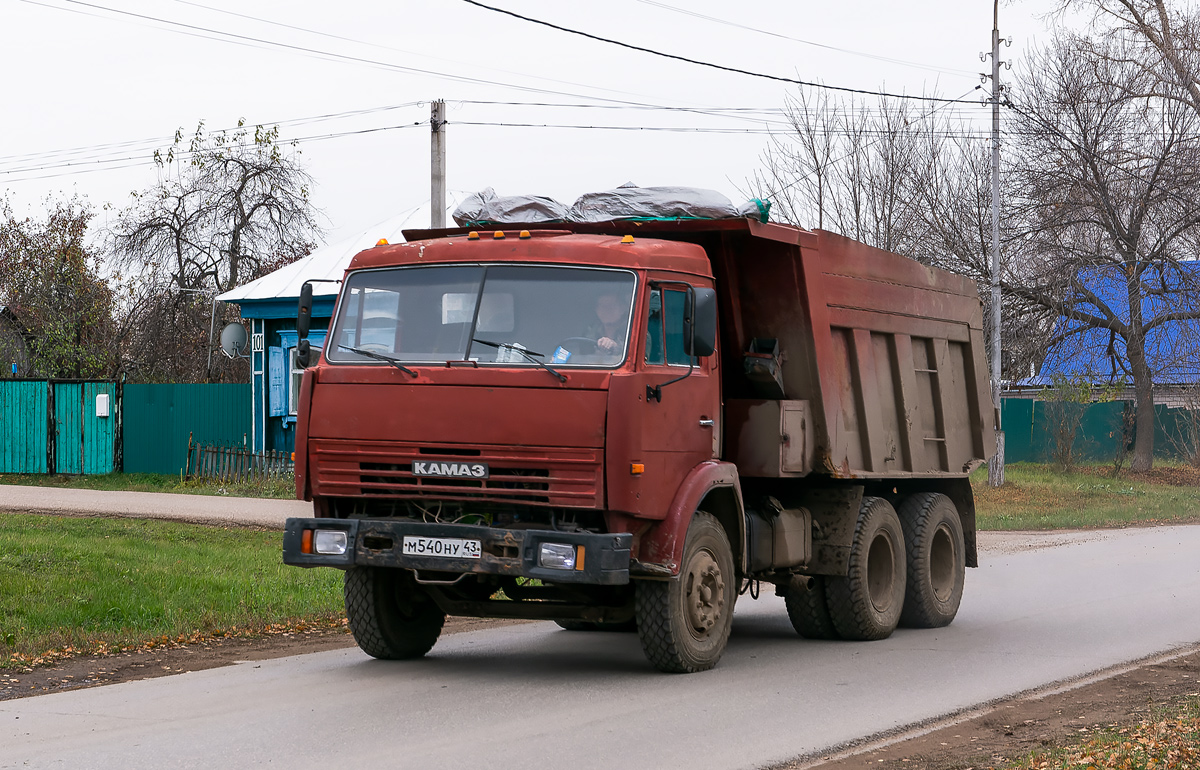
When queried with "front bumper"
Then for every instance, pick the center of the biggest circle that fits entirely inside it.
(379, 543)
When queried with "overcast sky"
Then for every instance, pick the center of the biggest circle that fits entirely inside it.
(92, 88)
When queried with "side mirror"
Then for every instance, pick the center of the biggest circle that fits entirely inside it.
(304, 311)
(303, 353)
(700, 323)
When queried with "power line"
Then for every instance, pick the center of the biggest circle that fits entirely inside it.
(207, 33)
(726, 22)
(721, 67)
(356, 41)
(707, 130)
(110, 164)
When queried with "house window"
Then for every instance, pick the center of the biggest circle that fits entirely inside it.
(297, 372)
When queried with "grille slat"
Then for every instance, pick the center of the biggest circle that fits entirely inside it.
(530, 475)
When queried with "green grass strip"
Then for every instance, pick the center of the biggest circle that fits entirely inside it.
(95, 584)
(1041, 497)
(279, 487)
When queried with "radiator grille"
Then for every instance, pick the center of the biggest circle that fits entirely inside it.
(529, 475)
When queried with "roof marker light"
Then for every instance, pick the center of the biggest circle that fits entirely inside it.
(498, 235)
(627, 239)
(472, 236)
(524, 235)
(381, 242)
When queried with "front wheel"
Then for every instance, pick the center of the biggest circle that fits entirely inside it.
(390, 616)
(683, 623)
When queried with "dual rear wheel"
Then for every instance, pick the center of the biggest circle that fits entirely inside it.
(906, 567)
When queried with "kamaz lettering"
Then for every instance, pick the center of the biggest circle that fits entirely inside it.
(458, 470)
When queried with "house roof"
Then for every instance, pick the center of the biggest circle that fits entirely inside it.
(326, 263)
(1098, 355)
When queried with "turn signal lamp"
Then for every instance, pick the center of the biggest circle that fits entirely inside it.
(499, 235)
(524, 235)
(472, 236)
(637, 469)
(331, 542)
(556, 556)
(381, 242)
(306, 541)
(627, 239)
(579, 552)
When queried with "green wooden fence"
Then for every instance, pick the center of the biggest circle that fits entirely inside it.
(24, 426)
(60, 426)
(159, 419)
(1028, 433)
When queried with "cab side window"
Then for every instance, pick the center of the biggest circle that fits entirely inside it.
(664, 331)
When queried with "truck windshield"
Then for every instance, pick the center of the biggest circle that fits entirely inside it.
(565, 316)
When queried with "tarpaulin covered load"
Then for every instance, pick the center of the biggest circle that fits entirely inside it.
(626, 202)
(483, 208)
(631, 202)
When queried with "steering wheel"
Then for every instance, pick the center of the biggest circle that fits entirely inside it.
(374, 347)
(595, 344)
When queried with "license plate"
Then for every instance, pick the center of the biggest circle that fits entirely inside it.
(446, 547)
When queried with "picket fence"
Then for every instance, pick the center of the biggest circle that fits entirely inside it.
(235, 464)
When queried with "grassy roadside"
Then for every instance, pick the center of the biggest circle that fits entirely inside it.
(74, 586)
(1039, 497)
(1168, 738)
(281, 487)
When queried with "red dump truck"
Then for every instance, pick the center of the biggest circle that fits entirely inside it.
(630, 424)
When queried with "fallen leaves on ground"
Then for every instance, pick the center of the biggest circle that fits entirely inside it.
(98, 647)
(1169, 740)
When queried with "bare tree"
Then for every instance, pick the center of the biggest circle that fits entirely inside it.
(1164, 39)
(229, 205)
(1108, 183)
(913, 181)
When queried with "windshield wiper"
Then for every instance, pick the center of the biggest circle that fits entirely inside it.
(380, 357)
(529, 354)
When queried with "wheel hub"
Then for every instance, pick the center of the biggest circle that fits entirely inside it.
(705, 596)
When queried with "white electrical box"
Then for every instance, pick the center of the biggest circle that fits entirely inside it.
(102, 405)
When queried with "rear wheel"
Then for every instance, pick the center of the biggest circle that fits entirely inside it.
(866, 604)
(684, 623)
(390, 616)
(937, 567)
(808, 610)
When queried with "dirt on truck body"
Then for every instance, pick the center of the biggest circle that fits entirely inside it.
(628, 423)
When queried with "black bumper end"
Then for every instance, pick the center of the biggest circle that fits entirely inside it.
(602, 559)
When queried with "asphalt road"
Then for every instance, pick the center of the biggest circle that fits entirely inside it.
(1042, 608)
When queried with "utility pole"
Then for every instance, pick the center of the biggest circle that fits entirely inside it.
(437, 165)
(996, 464)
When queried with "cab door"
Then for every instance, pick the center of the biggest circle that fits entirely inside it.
(679, 420)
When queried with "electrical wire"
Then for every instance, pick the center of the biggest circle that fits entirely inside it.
(207, 33)
(721, 67)
(726, 22)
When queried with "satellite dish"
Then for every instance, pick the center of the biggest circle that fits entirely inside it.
(233, 339)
